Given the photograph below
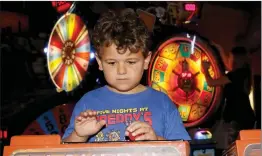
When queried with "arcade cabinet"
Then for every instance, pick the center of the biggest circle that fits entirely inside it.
(51, 145)
(247, 144)
(176, 71)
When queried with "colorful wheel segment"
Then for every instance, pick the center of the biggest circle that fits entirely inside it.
(68, 52)
(54, 121)
(176, 70)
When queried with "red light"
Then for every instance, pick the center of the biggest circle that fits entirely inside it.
(5, 134)
(61, 6)
(184, 74)
(190, 7)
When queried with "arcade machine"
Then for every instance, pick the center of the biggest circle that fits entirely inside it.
(50, 145)
(68, 51)
(247, 144)
(54, 121)
(68, 57)
(175, 69)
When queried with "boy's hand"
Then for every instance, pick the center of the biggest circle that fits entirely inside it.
(86, 123)
(143, 129)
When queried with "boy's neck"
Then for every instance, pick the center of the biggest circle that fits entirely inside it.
(137, 89)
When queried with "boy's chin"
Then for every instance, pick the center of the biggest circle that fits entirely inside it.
(123, 88)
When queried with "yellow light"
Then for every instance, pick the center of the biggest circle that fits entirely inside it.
(251, 98)
(198, 63)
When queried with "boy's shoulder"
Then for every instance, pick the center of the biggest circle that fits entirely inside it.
(157, 93)
(94, 93)
(161, 99)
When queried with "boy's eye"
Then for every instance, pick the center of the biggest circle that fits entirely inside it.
(131, 62)
(111, 63)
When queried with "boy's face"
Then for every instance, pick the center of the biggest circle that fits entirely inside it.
(122, 72)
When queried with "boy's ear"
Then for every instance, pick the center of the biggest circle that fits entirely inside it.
(99, 62)
(147, 60)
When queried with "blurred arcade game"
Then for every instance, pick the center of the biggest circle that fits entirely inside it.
(175, 69)
(68, 49)
(68, 57)
(53, 121)
(247, 144)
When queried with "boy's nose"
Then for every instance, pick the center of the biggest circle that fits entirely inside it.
(121, 69)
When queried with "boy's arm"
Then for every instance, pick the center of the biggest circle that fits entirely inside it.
(73, 137)
(174, 127)
(70, 135)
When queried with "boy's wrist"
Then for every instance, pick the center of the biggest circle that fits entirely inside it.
(78, 137)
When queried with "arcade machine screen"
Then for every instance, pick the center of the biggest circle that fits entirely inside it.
(176, 71)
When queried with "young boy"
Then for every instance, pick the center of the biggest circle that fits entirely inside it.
(123, 107)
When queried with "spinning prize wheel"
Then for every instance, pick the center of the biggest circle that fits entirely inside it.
(176, 71)
(68, 52)
(54, 121)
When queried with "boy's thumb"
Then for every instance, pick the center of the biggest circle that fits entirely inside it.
(101, 123)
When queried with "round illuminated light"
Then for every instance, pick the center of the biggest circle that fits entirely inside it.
(176, 70)
(68, 52)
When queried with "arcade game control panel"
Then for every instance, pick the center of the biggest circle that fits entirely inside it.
(51, 145)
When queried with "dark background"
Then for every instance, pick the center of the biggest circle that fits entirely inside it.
(26, 94)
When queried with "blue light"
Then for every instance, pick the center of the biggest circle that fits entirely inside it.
(45, 50)
(92, 55)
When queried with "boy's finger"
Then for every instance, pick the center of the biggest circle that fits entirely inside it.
(142, 130)
(79, 118)
(100, 124)
(136, 125)
(132, 126)
(91, 113)
(142, 137)
(94, 113)
(83, 114)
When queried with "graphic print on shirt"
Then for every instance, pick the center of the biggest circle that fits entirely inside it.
(123, 116)
(113, 135)
(100, 137)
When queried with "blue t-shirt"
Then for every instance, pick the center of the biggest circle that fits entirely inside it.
(119, 110)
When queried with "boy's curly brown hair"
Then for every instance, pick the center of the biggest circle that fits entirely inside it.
(125, 29)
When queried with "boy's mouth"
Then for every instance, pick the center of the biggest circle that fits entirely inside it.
(122, 79)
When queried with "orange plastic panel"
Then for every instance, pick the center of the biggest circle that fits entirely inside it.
(20, 146)
(27, 140)
(250, 134)
(249, 144)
